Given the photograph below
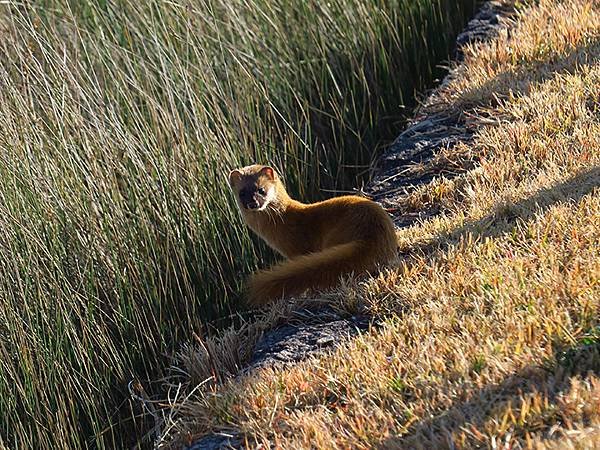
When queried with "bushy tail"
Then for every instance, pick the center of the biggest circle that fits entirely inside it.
(313, 271)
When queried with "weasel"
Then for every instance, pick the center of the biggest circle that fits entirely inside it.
(321, 241)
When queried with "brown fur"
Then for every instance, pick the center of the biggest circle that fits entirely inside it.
(322, 241)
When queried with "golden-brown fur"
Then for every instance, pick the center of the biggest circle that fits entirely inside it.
(322, 240)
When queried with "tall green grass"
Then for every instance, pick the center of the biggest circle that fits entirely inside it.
(118, 124)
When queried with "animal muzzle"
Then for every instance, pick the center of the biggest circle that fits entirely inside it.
(255, 203)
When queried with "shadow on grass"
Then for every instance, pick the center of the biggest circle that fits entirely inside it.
(419, 145)
(463, 424)
(506, 217)
(528, 74)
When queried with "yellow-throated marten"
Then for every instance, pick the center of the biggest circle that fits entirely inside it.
(322, 241)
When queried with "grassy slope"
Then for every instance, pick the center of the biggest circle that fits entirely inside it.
(492, 330)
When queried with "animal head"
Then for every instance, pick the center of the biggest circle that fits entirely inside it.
(255, 187)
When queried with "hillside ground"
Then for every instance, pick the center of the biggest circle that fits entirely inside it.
(490, 333)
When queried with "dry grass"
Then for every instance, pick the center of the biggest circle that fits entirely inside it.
(491, 335)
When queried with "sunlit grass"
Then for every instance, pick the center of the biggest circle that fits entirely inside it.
(118, 124)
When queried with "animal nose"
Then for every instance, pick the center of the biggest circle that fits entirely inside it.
(252, 205)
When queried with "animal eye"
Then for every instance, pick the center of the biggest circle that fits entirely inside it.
(261, 191)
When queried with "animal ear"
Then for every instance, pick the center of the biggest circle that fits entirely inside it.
(268, 172)
(234, 176)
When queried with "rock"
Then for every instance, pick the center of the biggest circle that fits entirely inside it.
(293, 343)
(419, 144)
(426, 136)
(484, 26)
(317, 330)
(217, 441)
